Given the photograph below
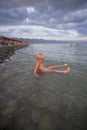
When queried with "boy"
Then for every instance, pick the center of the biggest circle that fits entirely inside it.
(40, 66)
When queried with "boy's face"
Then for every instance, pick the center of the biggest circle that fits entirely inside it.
(42, 59)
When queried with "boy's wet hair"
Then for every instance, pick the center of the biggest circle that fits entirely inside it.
(40, 56)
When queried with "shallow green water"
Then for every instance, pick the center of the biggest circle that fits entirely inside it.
(55, 101)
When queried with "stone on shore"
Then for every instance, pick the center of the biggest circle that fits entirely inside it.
(7, 51)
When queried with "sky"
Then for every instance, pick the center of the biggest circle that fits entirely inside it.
(44, 19)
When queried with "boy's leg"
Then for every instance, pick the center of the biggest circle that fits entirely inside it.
(52, 67)
(58, 71)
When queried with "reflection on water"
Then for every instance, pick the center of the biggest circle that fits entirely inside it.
(55, 102)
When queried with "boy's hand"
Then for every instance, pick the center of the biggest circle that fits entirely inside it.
(65, 64)
(37, 76)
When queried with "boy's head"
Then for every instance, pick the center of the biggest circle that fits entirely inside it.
(40, 57)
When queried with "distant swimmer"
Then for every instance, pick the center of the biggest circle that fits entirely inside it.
(40, 67)
(74, 44)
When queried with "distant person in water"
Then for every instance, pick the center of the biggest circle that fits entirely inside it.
(39, 67)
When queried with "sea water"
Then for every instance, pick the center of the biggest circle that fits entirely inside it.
(53, 102)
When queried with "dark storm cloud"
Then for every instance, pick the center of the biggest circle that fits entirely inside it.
(67, 5)
(12, 15)
(58, 14)
(18, 3)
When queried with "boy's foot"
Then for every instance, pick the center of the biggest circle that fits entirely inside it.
(67, 70)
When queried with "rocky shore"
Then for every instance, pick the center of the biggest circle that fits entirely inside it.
(7, 51)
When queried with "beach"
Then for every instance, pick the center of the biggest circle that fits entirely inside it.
(55, 101)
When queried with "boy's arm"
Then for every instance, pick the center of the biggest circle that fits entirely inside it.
(36, 70)
(63, 65)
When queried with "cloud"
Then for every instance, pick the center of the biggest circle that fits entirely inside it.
(76, 16)
(39, 32)
(67, 17)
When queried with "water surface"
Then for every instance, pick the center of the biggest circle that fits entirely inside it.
(55, 101)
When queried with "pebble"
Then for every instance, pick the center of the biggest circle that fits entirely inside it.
(10, 107)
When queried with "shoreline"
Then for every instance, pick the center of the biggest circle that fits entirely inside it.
(7, 51)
